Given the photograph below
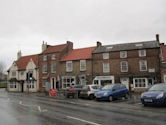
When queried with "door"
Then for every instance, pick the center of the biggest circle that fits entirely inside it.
(53, 83)
(22, 87)
(125, 81)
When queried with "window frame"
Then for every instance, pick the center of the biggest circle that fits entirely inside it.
(44, 68)
(53, 65)
(141, 64)
(142, 52)
(122, 66)
(105, 55)
(82, 65)
(44, 57)
(69, 69)
(139, 83)
(106, 67)
(123, 54)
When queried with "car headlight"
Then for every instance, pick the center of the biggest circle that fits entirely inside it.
(105, 93)
(160, 95)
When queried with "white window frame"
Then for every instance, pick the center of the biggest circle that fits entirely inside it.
(141, 82)
(123, 54)
(69, 69)
(143, 63)
(105, 55)
(142, 52)
(13, 73)
(53, 65)
(44, 57)
(164, 78)
(53, 57)
(13, 85)
(44, 68)
(67, 81)
(106, 67)
(82, 65)
(122, 65)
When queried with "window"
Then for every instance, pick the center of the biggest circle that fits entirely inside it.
(53, 67)
(44, 82)
(105, 55)
(106, 67)
(13, 85)
(82, 65)
(140, 82)
(22, 73)
(53, 57)
(44, 68)
(68, 81)
(69, 66)
(124, 66)
(13, 73)
(123, 54)
(44, 58)
(142, 53)
(143, 65)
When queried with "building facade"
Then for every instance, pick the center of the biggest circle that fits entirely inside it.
(137, 65)
(76, 67)
(49, 64)
(23, 75)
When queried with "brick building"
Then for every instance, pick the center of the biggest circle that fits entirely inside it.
(77, 67)
(163, 62)
(49, 64)
(137, 65)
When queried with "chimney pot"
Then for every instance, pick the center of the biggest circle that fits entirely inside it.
(99, 44)
(157, 38)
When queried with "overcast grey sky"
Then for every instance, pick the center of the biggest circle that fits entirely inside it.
(24, 24)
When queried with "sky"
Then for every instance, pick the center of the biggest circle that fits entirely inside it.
(25, 24)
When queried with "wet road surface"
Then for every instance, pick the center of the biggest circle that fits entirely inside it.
(24, 109)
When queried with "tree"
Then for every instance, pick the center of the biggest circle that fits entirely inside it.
(2, 69)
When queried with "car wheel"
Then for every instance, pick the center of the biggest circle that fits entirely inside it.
(126, 96)
(91, 96)
(110, 98)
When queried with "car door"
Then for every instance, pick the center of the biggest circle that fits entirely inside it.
(116, 91)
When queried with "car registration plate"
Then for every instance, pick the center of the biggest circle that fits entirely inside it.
(148, 100)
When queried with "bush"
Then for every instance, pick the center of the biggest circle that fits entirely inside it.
(3, 85)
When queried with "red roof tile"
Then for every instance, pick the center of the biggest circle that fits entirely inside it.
(79, 54)
(23, 61)
(53, 49)
(163, 49)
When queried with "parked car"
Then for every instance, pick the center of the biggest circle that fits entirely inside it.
(156, 95)
(88, 91)
(73, 91)
(111, 92)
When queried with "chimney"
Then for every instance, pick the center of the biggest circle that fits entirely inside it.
(157, 38)
(99, 44)
(44, 46)
(19, 54)
(70, 45)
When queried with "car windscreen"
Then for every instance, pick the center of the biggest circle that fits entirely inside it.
(95, 87)
(107, 87)
(158, 88)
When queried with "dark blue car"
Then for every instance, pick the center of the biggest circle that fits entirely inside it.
(111, 92)
(156, 95)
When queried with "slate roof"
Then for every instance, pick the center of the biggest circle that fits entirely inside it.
(23, 61)
(54, 49)
(79, 54)
(128, 46)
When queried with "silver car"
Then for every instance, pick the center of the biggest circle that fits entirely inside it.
(88, 91)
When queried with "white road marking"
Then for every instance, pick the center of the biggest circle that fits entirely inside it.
(78, 119)
(87, 104)
(38, 107)
(73, 102)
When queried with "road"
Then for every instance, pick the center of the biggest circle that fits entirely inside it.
(24, 109)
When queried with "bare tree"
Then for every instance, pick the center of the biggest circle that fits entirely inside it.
(2, 69)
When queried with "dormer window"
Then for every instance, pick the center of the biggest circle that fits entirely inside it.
(123, 54)
(142, 53)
